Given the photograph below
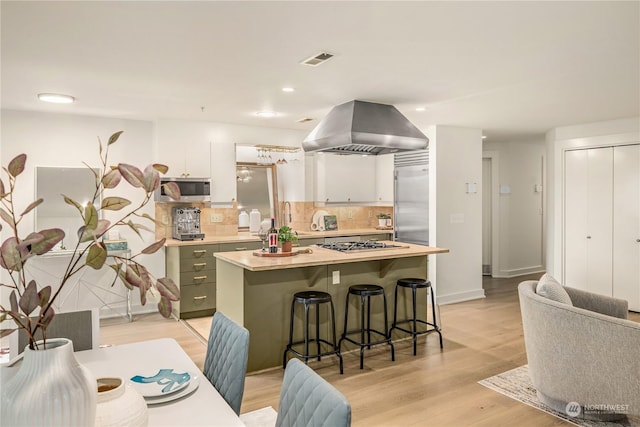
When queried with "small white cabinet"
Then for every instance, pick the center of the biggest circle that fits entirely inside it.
(345, 178)
(223, 173)
(384, 179)
(185, 158)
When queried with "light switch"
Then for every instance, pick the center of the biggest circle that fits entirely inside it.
(472, 187)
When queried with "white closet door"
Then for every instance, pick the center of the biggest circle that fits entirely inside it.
(575, 219)
(626, 225)
(588, 219)
(599, 221)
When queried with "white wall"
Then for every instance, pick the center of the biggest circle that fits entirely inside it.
(519, 234)
(455, 216)
(68, 140)
(558, 140)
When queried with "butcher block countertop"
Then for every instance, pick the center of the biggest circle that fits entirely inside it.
(250, 237)
(321, 256)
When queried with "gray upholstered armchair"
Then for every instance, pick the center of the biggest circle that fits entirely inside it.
(584, 352)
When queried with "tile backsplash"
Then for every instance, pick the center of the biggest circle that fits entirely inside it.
(349, 217)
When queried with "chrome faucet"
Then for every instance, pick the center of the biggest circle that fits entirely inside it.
(284, 211)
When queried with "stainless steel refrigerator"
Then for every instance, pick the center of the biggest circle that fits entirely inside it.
(411, 197)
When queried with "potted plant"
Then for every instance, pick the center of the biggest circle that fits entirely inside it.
(382, 219)
(287, 237)
(31, 306)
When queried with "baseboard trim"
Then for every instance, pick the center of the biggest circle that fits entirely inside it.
(460, 297)
(507, 274)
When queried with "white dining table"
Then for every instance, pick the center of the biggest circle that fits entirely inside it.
(204, 407)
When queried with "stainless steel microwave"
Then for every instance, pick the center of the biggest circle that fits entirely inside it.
(191, 190)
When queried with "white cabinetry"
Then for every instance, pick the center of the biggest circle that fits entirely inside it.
(384, 179)
(223, 174)
(186, 158)
(353, 178)
(602, 221)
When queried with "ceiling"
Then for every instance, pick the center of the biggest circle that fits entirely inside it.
(513, 69)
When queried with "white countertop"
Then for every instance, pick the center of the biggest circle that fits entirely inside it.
(321, 256)
(250, 237)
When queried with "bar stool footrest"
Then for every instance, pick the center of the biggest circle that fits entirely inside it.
(433, 329)
(366, 344)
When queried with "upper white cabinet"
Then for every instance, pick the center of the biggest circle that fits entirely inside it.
(602, 221)
(223, 173)
(185, 158)
(384, 179)
(338, 178)
(345, 178)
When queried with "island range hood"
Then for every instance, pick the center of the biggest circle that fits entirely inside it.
(359, 127)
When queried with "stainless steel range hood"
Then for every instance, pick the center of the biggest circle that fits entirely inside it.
(359, 127)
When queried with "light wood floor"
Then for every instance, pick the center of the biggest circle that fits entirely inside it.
(437, 388)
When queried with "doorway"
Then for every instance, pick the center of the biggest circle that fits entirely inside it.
(490, 213)
(486, 216)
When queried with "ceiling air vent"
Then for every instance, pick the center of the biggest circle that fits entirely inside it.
(318, 59)
(304, 120)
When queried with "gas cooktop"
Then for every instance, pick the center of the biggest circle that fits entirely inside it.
(365, 245)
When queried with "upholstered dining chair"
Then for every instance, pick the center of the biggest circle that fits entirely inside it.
(307, 399)
(81, 327)
(225, 363)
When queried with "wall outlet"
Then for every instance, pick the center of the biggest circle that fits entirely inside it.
(336, 277)
(216, 217)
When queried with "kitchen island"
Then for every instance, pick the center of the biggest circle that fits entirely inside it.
(257, 291)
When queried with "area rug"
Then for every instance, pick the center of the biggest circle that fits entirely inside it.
(516, 384)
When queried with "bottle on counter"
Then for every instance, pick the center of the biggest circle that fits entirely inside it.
(254, 221)
(243, 219)
(273, 237)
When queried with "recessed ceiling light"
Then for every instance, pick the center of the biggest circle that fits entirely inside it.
(266, 114)
(420, 109)
(56, 98)
(288, 89)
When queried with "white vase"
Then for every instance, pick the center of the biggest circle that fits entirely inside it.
(50, 389)
(119, 405)
(382, 222)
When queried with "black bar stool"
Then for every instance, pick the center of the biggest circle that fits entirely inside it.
(312, 298)
(367, 291)
(415, 284)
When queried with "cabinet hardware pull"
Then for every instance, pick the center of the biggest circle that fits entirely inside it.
(200, 298)
(638, 240)
(588, 237)
(199, 264)
(199, 277)
(241, 249)
(200, 251)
